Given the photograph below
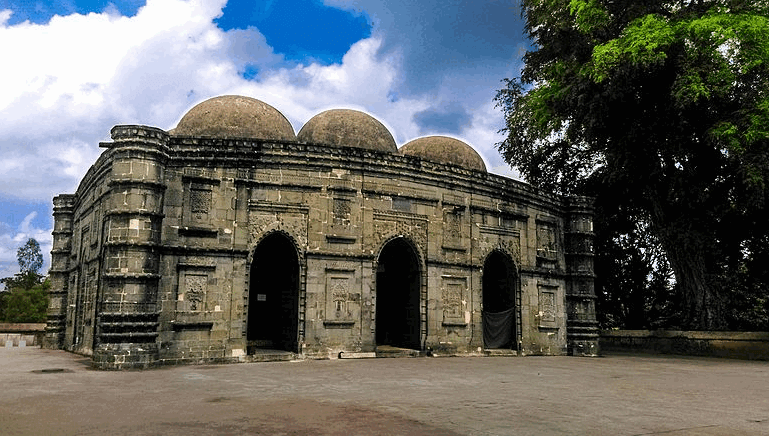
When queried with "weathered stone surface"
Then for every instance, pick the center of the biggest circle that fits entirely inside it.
(190, 248)
(234, 116)
(444, 149)
(735, 345)
(348, 128)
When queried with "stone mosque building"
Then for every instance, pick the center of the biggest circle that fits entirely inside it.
(230, 238)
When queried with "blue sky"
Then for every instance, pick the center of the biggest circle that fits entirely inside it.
(80, 67)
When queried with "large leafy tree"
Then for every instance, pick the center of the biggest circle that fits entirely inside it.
(26, 296)
(664, 107)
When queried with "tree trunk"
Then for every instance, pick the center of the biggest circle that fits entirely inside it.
(700, 302)
(688, 246)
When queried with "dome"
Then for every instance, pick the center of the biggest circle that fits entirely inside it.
(234, 116)
(446, 150)
(348, 128)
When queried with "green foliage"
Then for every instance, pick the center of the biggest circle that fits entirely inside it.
(589, 15)
(26, 305)
(29, 256)
(25, 298)
(643, 43)
(23, 280)
(664, 106)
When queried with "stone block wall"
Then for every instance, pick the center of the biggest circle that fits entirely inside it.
(153, 254)
(734, 345)
(22, 334)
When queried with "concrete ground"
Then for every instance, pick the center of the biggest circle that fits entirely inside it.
(44, 392)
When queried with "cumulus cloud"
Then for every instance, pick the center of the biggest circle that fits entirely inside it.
(78, 75)
(428, 68)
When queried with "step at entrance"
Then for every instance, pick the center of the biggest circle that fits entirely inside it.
(495, 352)
(390, 351)
(267, 355)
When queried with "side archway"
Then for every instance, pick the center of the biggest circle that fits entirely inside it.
(499, 305)
(273, 295)
(399, 296)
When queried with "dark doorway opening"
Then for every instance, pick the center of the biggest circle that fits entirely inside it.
(273, 296)
(499, 311)
(398, 296)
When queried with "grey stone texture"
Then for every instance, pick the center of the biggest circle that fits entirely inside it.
(444, 149)
(203, 246)
(735, 345)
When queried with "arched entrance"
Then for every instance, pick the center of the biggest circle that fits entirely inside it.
(499, 311)
(398, 282)
(273, 296)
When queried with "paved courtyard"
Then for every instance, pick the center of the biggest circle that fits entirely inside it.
(45, 392)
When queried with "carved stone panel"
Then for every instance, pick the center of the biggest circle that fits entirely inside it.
(390, 223)
(454, 290)
(548, 307)
(292, 220)
(192, 292)
(452, 229)
(198, 207)
(342, 300)
(200, 202)
(547, 242)
(342, 210)
(497, 238)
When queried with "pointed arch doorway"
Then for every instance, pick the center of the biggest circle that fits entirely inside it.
(273, 296)
(499, 303)
(398, 285)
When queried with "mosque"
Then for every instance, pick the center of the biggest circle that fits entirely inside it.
(231, 238)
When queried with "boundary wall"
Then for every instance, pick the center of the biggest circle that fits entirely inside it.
(21, 334)
(735, 345)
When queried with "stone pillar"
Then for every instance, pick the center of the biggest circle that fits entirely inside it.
(581, 323)
(127, 321)
(63, 208)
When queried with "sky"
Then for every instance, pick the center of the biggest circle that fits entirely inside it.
(75, 68)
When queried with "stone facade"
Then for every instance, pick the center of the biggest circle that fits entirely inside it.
(181, 247)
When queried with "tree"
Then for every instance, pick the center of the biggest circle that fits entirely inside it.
(30, 261)
(27, 305)
(26, 296)
(29, 257)
(664, 105)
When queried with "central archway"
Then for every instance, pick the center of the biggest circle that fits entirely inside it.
(398, 282)
(273, 296)
(499, 309)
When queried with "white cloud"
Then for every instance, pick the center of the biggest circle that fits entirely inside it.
(5, 15)
(78, 75)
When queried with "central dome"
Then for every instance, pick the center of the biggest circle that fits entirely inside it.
(445, 149)
(348, 128)
(235, 116)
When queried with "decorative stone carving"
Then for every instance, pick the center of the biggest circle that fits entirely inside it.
(195, 291)
(454, 290)
(200, 202)
(392, 223)
(452, 228)
(497, 238)
(341, 211)
(265, 218)
(547, 306)
(340, 295)
(547, 244)
(342, 302)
